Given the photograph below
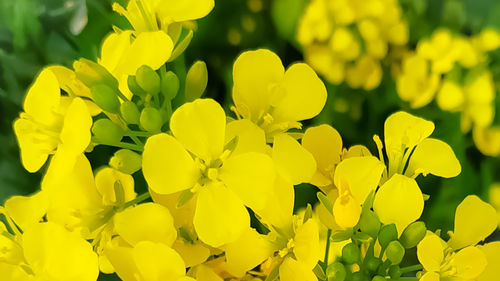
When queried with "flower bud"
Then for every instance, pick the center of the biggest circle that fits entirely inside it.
(373, 263)
(169, 85)
(151, 119)
(105, 97)
(336, 272)
(378, 278)
(351, 253)
(106, 131)
(394, 271)
(387, 234)
(130, 112)
(148, 79)
(91, 73)
(196, 81)
(126, 161)
(134, 87)
(395, 252)
(359, 276)
(413, 234)
(369, 223)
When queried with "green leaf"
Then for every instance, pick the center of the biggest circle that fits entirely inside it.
(325, 201)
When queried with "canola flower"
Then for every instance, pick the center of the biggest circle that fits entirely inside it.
(220, 199)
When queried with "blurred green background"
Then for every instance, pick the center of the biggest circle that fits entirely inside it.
(35, 33)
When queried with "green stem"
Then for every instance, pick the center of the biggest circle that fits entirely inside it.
(125, 145)
(411, 268)
(137, 140)
(327, 250)
(122, 96)
(138, 133)
(405, 279)
(137, 199)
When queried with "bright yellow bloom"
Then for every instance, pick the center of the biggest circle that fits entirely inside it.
(492, 252)
(494, 198)
(416, 83)
(440, 50)
(194, 160)
(487, 140)
(52, 124)
(153, 15)
(275, 99)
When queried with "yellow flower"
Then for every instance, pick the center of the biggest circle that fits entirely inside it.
(416, 83)
(492, 252)
(273, 98)
(487, 140)
(480, 101)
(440, 50)
(52, 124)
(153, 15)
(194, 160)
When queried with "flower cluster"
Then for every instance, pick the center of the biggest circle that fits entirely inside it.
(347, 40)
(220, 198)
(454, 69)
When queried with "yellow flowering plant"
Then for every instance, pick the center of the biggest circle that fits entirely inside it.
(220, 200)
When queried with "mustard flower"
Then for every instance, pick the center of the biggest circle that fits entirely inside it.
(194, 160)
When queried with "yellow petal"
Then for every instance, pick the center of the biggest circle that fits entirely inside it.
(346, 211)
(430, 252)
(399, 201)
(325, 144)
(56, 254)
(292, 270)
(184, 10)
(106, 180)
(192, 254)
(279, 207)
(146, 222)
(303, 97)
(167, 166)
(200, 126)
(306, 241)
(254, 73)
(430, 276)
(149, 48)
(250, 250)
(403, 130)
(250, 176)
(492, 253)
(474, 221)
(113, 50)
(13, 272)
(359, 175)
(43, 98)
(26, 211)
(251, 138)
(220, 216)
(487, 140)
(123, 262)
(75, 134)
(435, 157)
(32, 156)
(470, 262)
(157, 262)
(205, 273)
(292, 161)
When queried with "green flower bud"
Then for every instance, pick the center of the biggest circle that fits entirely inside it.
(336, 272)
(378, 278)
(151, 120)
(196, 81)
(134, 87)
(126, 161)
(169, 85)
(105, 97)
(360, 276)
(369, 223)
(148, 79)
(394, 271)
(91, 73)
(106, 131)
(387, 234)
(351, 253)
(373, 263)
(395, 252)
(130, 112)
(413, 234)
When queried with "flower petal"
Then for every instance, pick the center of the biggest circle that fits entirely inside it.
(251, 138)
(220, 216)
(254, 72)
(291, 160)
(167, 166)
(250, 176)
(43, 98)
(184, 10)
(292, 270)
(306, 247)
(146, 222)
(470, 262)
(435, 157)
(75, 134)
(492, 253)
(26, 211)
(157, 261)
(430, 252)
(399, 201)
(474, 221)
(304, 95)
(200, 126)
